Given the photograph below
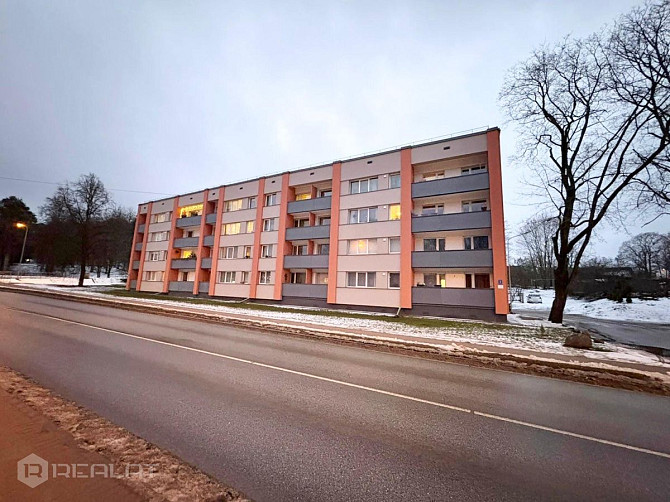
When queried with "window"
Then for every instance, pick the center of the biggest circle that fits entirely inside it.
(232, 228)
(157, 256)
(247, 251)
(300, 250)
(470, 206)
(324, 220)
(268, 225)
(394, 279)
(303, 196)
(244, 278)
(482, 281)
(233, 205)
(429, 209)
(161, 217)
(363, 246)
(361, 279)
(438, 175)
(363, 186)
(326, 193)
(394, 245)
(394, 180)
(324, 248)
(320, 278)
(153, 276)
(228, 253)
(188, 211)
(252, 203)
(159, 236)
(435, 280)
(265, 278)
(477, 242)
(364, 215)
(250, 226)
(227, 277)
(473, 170)
(298, 277)
(266, 251)
(188, 254)
(302, 222)
(394, 212)
(434, 245)
(271, 199)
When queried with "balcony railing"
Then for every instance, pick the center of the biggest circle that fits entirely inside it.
(186, 242)
(136, 264)
(133, 284)
(183, 286)
(190, 221)
(206, 263)
(203, 287)
(184, 263)
(452, 221)
(208, 240)
(459, 297)
(453, 259)
(141, 228)
(138, 246)
(307, 233)
(305, 290)
(447, 186)
(210, 219)
(306, 261)
(307, 205)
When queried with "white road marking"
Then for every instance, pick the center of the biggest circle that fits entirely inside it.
(362, 387)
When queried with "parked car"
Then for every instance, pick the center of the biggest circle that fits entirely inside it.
(533, 298)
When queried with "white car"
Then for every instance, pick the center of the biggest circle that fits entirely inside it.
(533, 298)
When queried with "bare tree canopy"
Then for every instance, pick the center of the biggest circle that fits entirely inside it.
(594, 118)
(536, 233)
(644, 253)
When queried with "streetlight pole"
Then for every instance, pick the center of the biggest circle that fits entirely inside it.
(25, 238)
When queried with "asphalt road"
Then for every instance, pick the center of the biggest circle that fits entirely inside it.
(282, 418)
(639, 334)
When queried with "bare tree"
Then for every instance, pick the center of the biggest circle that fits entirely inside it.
(642, 253)
(594, 120)
(84, 204)
(536, 233)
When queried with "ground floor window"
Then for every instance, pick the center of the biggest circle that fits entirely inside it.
(361, 279)
(265, 278)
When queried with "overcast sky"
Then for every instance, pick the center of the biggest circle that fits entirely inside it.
(174, 97)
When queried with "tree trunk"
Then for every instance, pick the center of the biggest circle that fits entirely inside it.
(561, 282)
(98, 271)
(82, 259)
(108, 271)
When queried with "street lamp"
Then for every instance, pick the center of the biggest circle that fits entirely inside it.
(25, 238)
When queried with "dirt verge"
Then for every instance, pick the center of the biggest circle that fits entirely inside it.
(608, 377)
(172, 479)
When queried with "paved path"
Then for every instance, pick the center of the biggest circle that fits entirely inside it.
(283, 418)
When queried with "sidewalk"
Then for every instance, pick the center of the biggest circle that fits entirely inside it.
(25, 431)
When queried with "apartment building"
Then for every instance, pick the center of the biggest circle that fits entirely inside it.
(419, 228)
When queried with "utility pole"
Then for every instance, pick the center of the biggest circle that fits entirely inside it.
(25, 238)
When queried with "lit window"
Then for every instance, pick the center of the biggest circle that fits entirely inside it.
(394, 212)
(250, 226)
(363, 246)
(188, 211)
(303, 196)
(247, 251)
(433, 176)
(231, 228)
(233, 205)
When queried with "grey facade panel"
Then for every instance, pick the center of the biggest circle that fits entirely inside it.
(454, 297)
(306, 261)
(138, 246)
(453, 259)
(183, 286)
(203, 287)
(210, 219)
(186, 242)
(316, 204)
(306, 233)
(206, 263)
(184, 264)
(208, 240)
(133, 284)
(453, 221)
(305, 290)
(446, 186)
(191, 221)
(141, 228)
(136, 264)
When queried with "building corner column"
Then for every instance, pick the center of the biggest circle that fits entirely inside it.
(281, 237)
(217, 244)
(500, 284)
(168, 258)
(258, 228)
(132, 248)
(201, 238)
(143, 252)
(334, 233)
(406, 238)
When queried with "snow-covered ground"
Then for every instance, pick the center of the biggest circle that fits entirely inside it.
(59, 281)
(655, 311)
(531, 338)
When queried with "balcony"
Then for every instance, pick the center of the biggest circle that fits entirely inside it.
(138, 246)
(183, 286)
(208, 240)
(141, 228)
(186, 242)
(447, 186)
(184, 264)
(305, 290)
(306, 261)
(307, 205)
(466, 258)
(307, 233)
(136, 264)
(133, 284)
(206, 263)
(203, 287)
(210, 219)
(191, 221)
(458, 297)
(453, 221)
